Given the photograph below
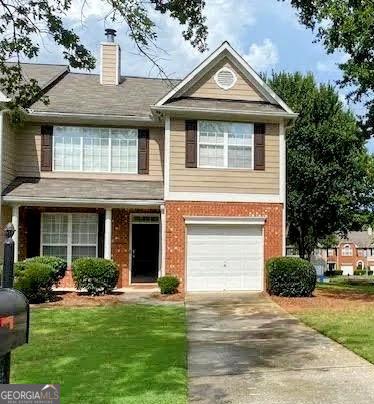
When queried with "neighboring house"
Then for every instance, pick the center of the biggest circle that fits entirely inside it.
(353, 252)
(180, 177)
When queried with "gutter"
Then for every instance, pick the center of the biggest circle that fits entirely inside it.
(225, 111)
(72, 115)
(80, 201)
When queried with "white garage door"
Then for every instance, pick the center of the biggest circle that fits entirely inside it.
(224, 257)
(347, 269)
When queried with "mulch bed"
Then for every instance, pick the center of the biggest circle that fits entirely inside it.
(75, 299)
(326, 299)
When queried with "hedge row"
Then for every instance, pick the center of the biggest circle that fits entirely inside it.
(35, 277)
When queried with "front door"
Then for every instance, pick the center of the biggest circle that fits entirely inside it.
(145, 249)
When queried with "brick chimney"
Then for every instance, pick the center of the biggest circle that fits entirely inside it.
(110, 66)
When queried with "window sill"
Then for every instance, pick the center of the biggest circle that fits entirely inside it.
(225, 169)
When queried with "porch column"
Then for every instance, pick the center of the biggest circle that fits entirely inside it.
(108, 234)
(15, 222)
(163, 240)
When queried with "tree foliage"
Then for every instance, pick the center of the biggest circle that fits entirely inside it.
(348, 26)
(23, 22)
(328, 170)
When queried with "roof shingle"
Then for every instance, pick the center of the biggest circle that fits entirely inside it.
(83, 93)
(67, 188)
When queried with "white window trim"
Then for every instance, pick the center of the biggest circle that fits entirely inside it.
(347, 251)
(109, 171)
(69, 245)
(225, 150)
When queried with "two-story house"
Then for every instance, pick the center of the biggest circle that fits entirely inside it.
(353, 252)
(181, 177)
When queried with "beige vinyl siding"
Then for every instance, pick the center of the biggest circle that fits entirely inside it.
(29, 149)
(9, 170)
(110, 54)
(206, 87)
(223, 180)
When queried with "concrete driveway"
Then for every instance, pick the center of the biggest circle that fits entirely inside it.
(244, 349)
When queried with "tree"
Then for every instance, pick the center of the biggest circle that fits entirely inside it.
(22, 23)
(347, 26)
(327, 163)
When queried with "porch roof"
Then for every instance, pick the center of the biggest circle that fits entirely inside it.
(34, 190)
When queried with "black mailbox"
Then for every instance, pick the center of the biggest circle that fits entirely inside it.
(14, 320)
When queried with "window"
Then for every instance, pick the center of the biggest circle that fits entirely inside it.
(331, 266)
(225, 145)
(95, 149)
(330, 252)
(69, 235)
(347, 251)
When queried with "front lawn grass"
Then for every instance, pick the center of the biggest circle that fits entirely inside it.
(351, 324)
(118, 354)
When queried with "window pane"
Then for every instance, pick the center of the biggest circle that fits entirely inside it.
(124, 150)
(239, 157)
(83, 251)
(67, 148)
(211, 156)
(84, 229)
(55, 251)
(211, 132)
(95, 150)
(239, 134)
(55, 229)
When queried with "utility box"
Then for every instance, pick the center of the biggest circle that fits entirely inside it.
(14, 320)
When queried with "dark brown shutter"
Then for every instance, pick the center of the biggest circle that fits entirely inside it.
(191, 144)
(259, 144)
(101, 231)
(143, 151)
(46, 147)
(32, 233)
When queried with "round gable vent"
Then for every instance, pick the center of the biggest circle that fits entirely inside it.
(225, 78)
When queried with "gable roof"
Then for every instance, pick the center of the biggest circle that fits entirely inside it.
(225, 50)
(361, 239)
(83, 93)
(44, 74)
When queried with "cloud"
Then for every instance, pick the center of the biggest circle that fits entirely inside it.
(262, 56)
(230, 20)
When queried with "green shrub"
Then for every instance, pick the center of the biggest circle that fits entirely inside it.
(58, 265)
(335, 272)
(290, 276)
(168, 284)
(35, 281)
(361, 272)
(96, 275)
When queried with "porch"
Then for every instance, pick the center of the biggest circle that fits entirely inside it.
(129, 231)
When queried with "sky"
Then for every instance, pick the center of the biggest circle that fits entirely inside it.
(265, 32)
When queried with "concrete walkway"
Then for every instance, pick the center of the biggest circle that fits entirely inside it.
(244, 349)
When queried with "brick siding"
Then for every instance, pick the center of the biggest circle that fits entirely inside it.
(176, 233)
(120, 238)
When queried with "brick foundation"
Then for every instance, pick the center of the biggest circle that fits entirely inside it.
(176, 233)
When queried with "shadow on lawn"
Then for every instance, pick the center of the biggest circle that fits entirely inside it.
(126, 354)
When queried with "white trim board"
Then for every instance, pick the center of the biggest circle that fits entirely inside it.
(223, 220)
(226, 50)
(81, 202)
(222, 197)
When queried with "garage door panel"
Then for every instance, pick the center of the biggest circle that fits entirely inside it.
(224, 258)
